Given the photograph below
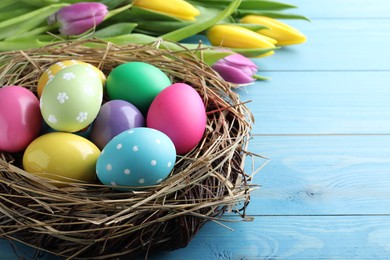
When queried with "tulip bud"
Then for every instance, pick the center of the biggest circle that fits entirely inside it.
(176, 8)
(78, 18)
(281, 32)
(236, 69)
(234, 36)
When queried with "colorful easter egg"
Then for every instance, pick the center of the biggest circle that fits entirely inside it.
(48, 74)
(138, 158)
(136, 82)
(179, 112)
(62, 156)
(114, 117)
(72, 99)
(20, 118)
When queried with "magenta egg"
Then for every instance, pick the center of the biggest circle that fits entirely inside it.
(179, 112)
(114, 117)
(20, 118)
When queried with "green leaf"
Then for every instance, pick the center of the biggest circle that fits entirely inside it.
(114, 30)
(138, 13)
(253, 53)
(6, 3)
(131, 38)
(161, 27)
(197, 27)
(21, 43)
(252, 27)
(117, 11)
(280, 15)
(111, 4)
(14, 12)
(19, 24)
(247, 4)
(264, 5)
(211, 56)
(34, 32)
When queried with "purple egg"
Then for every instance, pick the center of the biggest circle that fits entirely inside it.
(114, 117)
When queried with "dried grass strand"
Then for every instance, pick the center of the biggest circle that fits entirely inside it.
(91, 221)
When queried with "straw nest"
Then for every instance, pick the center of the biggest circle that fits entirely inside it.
(92, 221)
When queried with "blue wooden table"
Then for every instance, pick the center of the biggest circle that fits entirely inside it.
(324, 121)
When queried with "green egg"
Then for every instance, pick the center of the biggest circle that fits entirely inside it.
(136, 82)
(71, 100)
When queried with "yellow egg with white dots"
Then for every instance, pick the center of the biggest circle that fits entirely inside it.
(56, 67)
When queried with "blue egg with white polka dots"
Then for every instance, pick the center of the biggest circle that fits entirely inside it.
(137, 158)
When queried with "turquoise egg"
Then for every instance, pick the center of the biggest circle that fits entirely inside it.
(138, 158)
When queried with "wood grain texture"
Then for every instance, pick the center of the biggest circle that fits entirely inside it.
(335, 45)
(324, 122)
(342, 9)
(321, 102)
(322, 175)
(286, 237)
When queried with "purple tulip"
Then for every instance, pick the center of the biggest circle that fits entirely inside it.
(236, 69)
(78, 18)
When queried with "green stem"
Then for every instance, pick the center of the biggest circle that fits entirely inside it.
(258, 77)
(117, 11)
(195, 28)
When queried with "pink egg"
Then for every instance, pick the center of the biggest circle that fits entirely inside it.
(179, 112)
(20, 118)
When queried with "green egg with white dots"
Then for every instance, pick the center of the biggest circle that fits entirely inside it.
(135, 159)
(71, 100)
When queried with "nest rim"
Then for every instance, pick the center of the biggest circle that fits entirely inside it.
(205, 183)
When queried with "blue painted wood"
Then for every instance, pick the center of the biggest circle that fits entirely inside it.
(322, 175)
(323, 120)
(335, 45)
(350, 9)
(322, 102)
(292, 237)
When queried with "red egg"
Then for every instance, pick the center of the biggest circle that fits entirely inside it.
(179, 112)
(20, 118)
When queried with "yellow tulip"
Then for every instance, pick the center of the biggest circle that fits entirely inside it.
(176, 8)
(284, 34)
(234, 36)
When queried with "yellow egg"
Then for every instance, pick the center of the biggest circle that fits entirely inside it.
(63, 157)
(56, 67)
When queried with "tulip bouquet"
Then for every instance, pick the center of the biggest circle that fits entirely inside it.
(241, 28)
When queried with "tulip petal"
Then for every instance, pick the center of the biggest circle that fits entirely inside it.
(80, 11)
(78, 18)
(283, 33)
(233, 36)
(176, 8)
(76, 27)
(232, 74)
(239, 60)
(195, 28)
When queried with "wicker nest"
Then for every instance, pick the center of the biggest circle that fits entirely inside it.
(95, 222)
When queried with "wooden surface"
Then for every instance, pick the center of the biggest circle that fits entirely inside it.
(324, 121)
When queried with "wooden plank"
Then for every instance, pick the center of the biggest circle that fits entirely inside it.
(283, 237)
(335, 44)
(320, 103)
(351, 9)
(340, 237)
(322, 175)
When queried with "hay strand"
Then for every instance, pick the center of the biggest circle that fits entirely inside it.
(91, 221)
